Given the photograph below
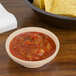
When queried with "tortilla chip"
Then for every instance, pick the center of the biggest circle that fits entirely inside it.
(48, 5)
(39, 3)
(64, 7)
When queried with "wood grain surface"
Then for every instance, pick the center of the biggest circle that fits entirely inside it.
(65, 62)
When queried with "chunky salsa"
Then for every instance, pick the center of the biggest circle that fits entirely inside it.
(32, 46)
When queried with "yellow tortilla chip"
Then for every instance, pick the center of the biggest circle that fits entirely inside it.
(48, 5)
(39, 3)
(64, 7)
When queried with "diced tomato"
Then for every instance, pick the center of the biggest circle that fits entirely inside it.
(28, 42)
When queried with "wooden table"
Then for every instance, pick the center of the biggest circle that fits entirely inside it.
(65, 62)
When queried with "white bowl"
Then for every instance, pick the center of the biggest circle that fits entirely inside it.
(32, 64)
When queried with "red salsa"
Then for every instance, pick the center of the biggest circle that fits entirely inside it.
(32, 46)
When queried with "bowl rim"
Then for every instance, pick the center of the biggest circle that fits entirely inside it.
(44, 60)
(47, 13)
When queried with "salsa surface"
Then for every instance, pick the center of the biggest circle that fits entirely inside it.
(32, 46)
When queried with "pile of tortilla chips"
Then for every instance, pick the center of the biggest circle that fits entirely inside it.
(60, 7)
